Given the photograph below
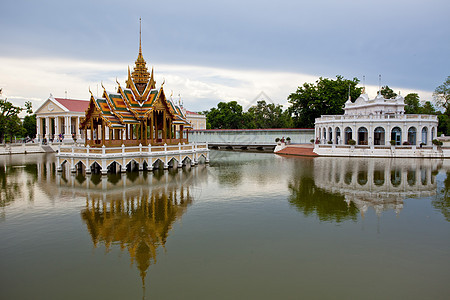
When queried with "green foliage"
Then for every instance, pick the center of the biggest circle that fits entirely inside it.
(413, 105)
(351, 142)
(263, 115)
(227, 115)
(442, 95)
(387, 92)
(443, 124)
(428, 108)
(29, 124)
(437, 142)
(412, 102)
(9, 120)
(324, 97)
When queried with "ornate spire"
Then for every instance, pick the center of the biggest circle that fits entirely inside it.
(140, 74)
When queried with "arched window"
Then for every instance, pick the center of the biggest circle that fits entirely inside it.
(424, 135)
(378, 177)
(330, 134)
(412, 135)
(362, 136)
(362, 177)
(337, 135)
(379, 136)
(348, 135)
(396, 177)
(396, 135)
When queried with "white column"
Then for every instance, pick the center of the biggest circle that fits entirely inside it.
(38, 129)
(47, 128)
(67, 133)
(77, 128)
(57, 128)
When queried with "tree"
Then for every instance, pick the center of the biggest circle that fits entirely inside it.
(428, 109)
(227, 115)
(325, 97)
(442, 95)
(412, 104)
(8, 118)
(29, 124)
(263, 115)
(387, 92)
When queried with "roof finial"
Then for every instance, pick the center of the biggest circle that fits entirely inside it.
(140, 48)
(379, 84)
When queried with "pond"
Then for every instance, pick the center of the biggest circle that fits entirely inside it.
(246, 226)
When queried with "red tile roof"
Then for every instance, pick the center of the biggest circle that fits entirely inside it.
(191, 113)
(74, 105)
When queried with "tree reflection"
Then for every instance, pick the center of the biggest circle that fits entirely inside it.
(309, 199)
(442, 201)
(138, 222)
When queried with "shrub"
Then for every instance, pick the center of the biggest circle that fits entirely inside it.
(277, 140)
(288, 139)
(437, 142)
(406, 143)
(393, 143)
(311, 140)
(351, 142)
(330, 142)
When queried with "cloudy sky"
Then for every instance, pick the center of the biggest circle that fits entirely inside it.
(211, 51)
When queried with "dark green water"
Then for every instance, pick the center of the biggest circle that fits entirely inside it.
(248, 226)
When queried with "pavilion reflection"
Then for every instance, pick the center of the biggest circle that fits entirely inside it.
(381, 184)
(139, 221)
(135, 210)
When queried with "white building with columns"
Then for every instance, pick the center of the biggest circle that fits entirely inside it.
(58, 119)
(378, 127)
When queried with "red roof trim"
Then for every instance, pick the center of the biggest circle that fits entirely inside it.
(267, 129)
(74, 105)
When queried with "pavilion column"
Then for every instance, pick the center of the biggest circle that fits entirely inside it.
(146, 132)
(103, 133)
(85, 135)
(151, 129)
(181, 133)
(164, 127)
(92, 131)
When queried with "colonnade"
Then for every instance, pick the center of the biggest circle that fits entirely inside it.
(375, 134)
(58, 128)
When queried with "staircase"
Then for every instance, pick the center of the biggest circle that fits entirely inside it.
(47, 149)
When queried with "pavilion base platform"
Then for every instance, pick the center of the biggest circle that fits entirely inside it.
(129, 158)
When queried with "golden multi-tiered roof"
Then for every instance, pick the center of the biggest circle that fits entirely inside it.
(139, 104)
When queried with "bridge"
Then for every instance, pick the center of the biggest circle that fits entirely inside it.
(250, 139)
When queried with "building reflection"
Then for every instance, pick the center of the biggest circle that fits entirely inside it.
(381, 184)
(134, 210)
(137, 221)
(311, 200)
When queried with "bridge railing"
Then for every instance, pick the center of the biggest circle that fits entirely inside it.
(74, 150)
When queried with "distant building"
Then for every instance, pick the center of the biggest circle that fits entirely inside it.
(59, 119)
(196, 120)
(375, 123)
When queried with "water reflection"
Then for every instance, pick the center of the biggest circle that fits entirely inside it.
(133, 210)
(382, 184)
(310, 199)
(442, 199)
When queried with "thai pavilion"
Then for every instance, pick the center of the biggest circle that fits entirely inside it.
(137, 124)
(137, 114)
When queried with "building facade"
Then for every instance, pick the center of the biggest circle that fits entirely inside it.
(196, 120)
(377, 122)
(59, 119)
